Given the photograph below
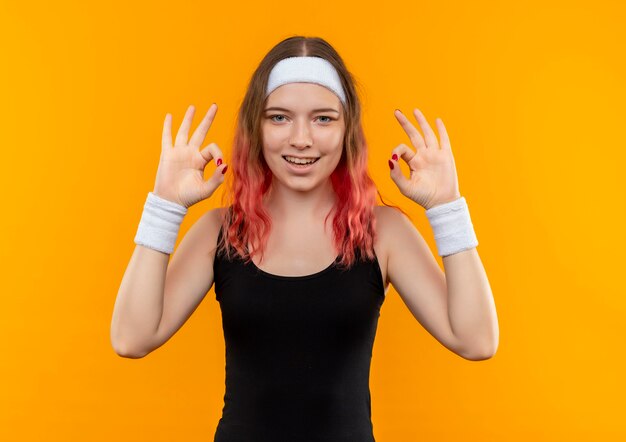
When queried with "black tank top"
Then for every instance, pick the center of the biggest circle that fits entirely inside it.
(298, 352)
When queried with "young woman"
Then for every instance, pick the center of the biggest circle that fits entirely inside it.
(301, 255)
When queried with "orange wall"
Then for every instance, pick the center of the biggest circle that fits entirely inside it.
(532, 96)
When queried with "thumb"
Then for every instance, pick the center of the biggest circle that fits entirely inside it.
(397, 176)
(216, 179)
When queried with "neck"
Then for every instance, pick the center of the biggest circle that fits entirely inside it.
(285, 203)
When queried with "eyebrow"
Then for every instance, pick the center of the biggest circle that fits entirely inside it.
(326, 109)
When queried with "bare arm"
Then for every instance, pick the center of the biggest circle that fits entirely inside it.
(472, 310)
(455, 307)
(156, 298)
(139, 302)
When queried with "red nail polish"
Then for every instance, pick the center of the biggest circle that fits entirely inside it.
(394, 157)
(390, 165)
(224, 171)
(219, 161)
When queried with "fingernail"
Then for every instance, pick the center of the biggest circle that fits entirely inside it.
(390, 165)
(394, 157)
(219, 161)
(224, 171)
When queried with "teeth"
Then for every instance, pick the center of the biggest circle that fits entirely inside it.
(300, 160)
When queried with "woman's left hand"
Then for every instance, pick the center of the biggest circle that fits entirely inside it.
(433, 179)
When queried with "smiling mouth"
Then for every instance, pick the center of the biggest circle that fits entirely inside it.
(302, 162)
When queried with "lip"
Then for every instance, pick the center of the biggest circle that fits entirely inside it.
(300, 170)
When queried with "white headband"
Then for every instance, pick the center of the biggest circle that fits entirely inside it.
(305, 70)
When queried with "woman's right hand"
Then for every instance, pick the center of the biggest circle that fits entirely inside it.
(180, 176)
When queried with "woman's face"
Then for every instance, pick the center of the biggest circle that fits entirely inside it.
(302, 123)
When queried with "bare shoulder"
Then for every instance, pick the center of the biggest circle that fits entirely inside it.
(200, 238)
(384, 220)
(394, 229)
(391, 224)
(214, 216)
(207, 227)
(385, 213)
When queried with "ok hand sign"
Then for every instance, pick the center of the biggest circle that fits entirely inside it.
(433, 179)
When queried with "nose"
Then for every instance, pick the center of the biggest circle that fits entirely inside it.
(300, 136)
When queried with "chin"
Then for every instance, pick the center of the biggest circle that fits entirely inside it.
(298, 184)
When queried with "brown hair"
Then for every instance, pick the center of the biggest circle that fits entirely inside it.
(247, 220)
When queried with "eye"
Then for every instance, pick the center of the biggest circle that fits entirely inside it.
(272, 117)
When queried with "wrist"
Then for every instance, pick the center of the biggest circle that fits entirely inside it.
(452, 226)
(166, 199)
(160, 222)
(442, 201)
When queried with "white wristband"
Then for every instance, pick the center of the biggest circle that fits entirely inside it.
(452, 226)
(160, 223)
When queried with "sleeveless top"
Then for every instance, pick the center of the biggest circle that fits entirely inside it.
(298, 351)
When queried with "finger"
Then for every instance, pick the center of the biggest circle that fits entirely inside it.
(216, 179)
(166, 139)
(402, 151)
(183, 131)
(200, 133)
(443, 135)
(396, 175)
(212, 151)
(445, 140)
(429, 135)
(412, 132)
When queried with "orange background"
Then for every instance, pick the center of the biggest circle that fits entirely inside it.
(532, 95)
